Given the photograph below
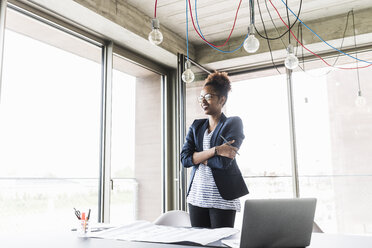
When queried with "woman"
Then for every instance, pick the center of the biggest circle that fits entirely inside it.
(216, 182)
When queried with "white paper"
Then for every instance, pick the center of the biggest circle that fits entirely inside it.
(149, 232)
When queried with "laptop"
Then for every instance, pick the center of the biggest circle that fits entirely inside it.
(276, 223)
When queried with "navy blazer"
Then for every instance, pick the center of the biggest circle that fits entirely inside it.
(226, 173)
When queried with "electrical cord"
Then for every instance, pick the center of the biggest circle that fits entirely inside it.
(289, 23)
(302, 48)
(339, 54)
(187, 31)
(284, 45)
(356, 53)
(281, 39)
(201, 34)
(251, 11)
(268, 41)
(156, 6)
(344, 68)
(318, 35)
(280, 36)
(300, 30)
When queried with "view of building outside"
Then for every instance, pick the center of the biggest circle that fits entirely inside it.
(49, 129)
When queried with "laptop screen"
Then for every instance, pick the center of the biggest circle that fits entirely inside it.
(277, 223)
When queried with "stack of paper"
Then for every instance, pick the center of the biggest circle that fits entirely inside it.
(149, 232)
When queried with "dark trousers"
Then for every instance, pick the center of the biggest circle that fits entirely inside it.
(211, 217)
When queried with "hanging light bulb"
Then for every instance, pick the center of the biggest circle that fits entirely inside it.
(251, 44)
(291, 61)
(155, 36)
(360, 101)
(188, 75)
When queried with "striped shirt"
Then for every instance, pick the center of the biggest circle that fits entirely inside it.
(204, 192)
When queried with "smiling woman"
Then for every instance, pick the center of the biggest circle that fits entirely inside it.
(216, 182)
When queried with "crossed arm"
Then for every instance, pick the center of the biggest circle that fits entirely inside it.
(225, 152)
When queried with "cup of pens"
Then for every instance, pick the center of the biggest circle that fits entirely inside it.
(83, 221)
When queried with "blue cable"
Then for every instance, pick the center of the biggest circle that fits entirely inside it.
(197, 22)
(187, 30)
(322, 39)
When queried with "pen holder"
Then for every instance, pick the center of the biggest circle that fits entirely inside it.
(83, 227)
(83, 224)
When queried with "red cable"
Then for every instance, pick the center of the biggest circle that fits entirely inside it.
(344, 68)
(156, 3)
(192, 19)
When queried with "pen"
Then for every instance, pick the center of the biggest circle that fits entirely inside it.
(228, 143)
(88, 215)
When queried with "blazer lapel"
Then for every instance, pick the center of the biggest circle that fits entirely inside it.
(216, 131)
(201, 134)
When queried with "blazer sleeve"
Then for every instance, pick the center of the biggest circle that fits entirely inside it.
(232, 131)
(189, 148)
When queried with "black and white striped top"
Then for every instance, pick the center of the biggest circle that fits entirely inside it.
(204, 192)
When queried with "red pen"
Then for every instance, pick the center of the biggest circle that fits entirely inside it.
(84, 224)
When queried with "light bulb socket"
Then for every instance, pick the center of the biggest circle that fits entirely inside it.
(290, 49)
(155, 23)
(251, 29)
(359, 93)
(187, 65)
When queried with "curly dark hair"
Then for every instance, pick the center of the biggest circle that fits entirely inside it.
(220, 83)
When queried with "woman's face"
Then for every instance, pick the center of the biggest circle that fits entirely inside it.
(210, 101)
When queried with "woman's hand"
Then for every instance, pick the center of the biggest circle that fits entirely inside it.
(227, 151)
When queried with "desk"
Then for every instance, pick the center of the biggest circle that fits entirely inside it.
(70, 240)
(323, 240)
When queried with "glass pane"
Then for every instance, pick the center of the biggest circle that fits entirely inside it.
(262, 104)
(333, 143)
(49, 126)
(136, 143)
(124, 201)
(344, 202)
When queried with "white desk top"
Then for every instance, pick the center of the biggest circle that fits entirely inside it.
(70, 240)
(323, 240)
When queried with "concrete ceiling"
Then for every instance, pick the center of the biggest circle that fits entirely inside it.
(216, 17)
(127, 22)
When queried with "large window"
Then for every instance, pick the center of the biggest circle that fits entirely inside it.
(136, 168)
(333, 143)
(49, 126)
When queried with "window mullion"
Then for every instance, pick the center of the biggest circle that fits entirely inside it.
(105, 146)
